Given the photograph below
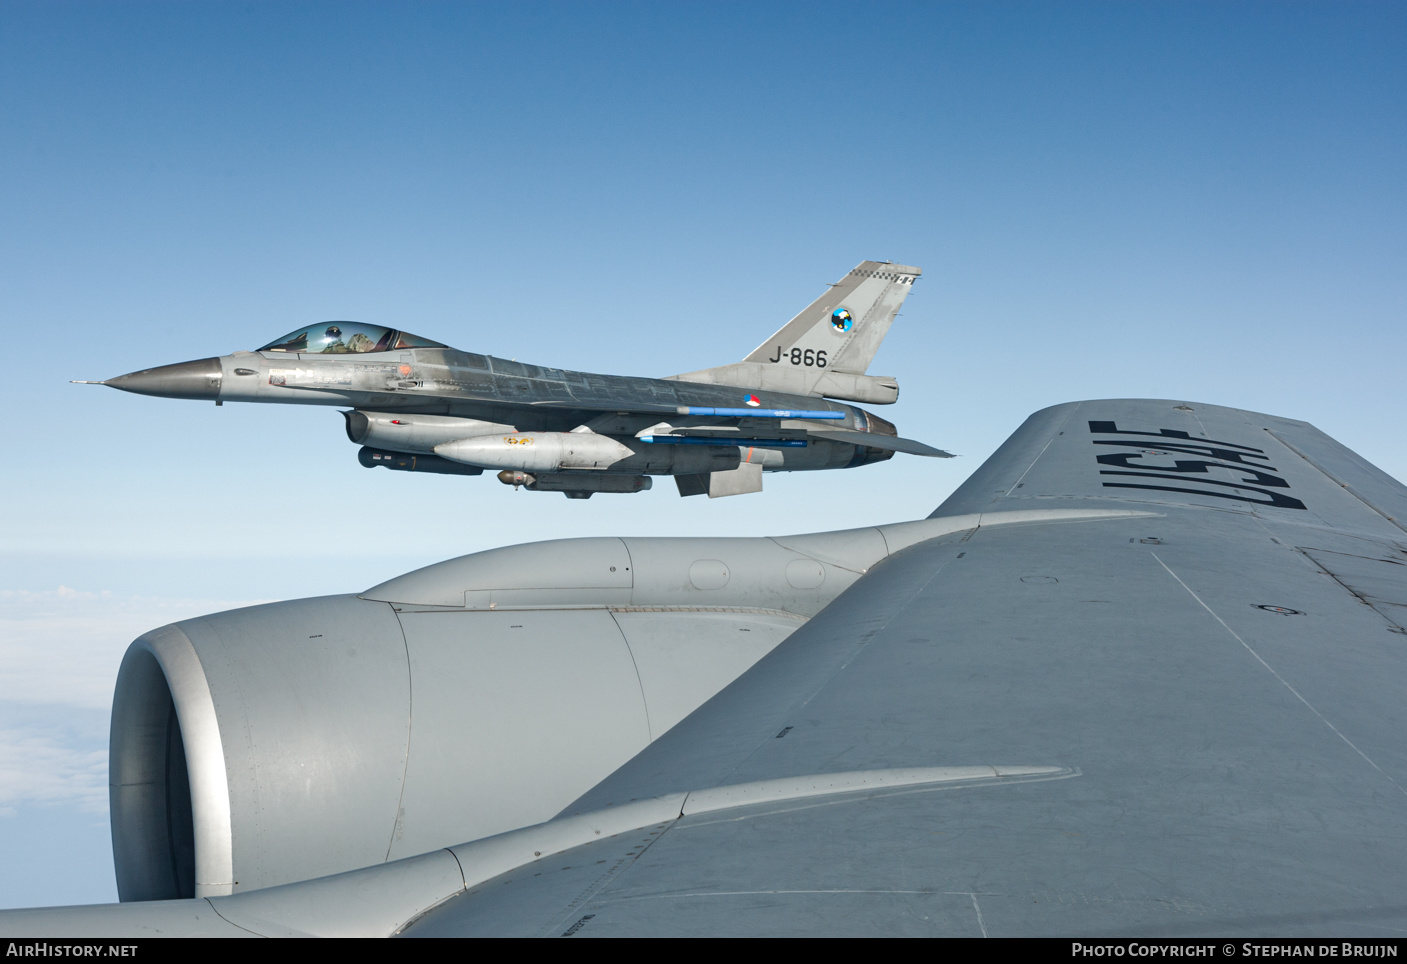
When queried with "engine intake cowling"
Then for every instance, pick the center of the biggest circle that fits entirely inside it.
(297, 739)
(475, 696)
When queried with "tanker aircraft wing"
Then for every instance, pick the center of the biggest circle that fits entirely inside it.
(1144, 676)
(1182, 723)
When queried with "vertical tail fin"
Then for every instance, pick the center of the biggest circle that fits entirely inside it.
(841, 330)
(827, 347)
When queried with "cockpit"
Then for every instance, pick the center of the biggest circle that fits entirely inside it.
(347, 338)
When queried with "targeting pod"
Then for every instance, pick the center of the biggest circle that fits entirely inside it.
(403, 462)
(575, 485)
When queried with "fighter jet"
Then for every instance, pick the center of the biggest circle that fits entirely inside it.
(420, 406)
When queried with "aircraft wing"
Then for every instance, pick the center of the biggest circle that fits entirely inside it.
(1050, 719)
(1201, 713)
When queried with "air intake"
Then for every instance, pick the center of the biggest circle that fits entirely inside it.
(153, 828)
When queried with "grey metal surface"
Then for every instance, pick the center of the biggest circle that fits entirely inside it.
(515, 712)
(149, 786)
(328, 734)
(892, 444)
(313, 704)
(827, 348)
(415, 434)
(159, 766)
(193, 379)
(798, 574)
(193, 917)
(870, 296)
(1236, 715)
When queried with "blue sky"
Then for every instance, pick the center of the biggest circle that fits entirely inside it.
(1190, 200)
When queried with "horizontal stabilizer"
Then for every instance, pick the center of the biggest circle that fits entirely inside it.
(889, 442)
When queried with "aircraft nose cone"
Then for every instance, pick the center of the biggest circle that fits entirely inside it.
(192, 379)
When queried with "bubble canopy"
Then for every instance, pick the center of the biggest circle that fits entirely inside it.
(346, 338)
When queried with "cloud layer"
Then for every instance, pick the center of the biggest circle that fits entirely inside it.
(59, 654)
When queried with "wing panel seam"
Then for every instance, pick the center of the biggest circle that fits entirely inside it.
(1283, 681)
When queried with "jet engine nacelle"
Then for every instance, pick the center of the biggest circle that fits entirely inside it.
(292, 740)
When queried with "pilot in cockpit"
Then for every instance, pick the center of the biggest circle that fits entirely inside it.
(347, 338)
(359, 343)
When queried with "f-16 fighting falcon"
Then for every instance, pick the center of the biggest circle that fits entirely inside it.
(419, 406)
